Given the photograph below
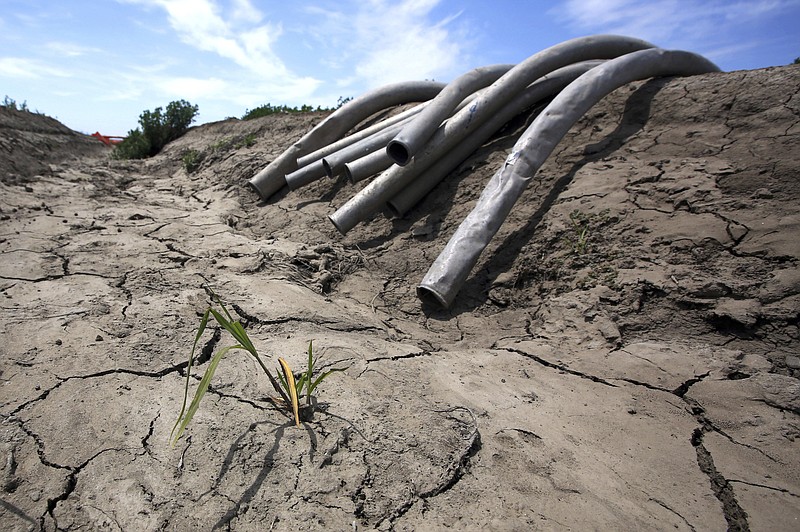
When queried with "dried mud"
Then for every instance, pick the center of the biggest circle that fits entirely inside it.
(625, 355)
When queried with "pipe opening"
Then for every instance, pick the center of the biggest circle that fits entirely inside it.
(399, 152)
(394, 211)
(328, 168)
(431, 297)
(349, 175)
(336, 225)
(255, 189)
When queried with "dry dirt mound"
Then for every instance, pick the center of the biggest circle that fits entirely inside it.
(625, 355)
(29, 142)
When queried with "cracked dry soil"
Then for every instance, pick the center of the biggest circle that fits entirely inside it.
(625, 355)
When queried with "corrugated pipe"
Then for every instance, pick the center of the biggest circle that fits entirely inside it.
(448, 273)
(408, 142)
(272, 178)
(426, 181)
(372, 197)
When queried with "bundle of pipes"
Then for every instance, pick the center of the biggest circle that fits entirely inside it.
(428, 141)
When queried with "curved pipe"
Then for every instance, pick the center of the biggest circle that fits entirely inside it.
(427, 180)
(451, 268)
(372, 197)
(367, 166)
(409, 141)
(334, 163)
(358, 135)
(272, 178)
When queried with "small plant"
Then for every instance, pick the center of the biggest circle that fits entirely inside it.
(191, 160)
(582, 226)
(11, 103)
(580, 232)
(289, 389)
(306, 381)
(158, 128)
(269, 109)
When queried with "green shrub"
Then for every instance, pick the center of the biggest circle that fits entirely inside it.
(191, 160)
(11, 103)
(269, 109)
(158, 128)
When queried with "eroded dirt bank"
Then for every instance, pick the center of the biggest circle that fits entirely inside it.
(625, 356)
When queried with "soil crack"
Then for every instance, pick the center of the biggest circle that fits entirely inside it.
(560, 367)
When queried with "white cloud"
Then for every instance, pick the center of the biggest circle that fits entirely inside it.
(22, 67)
(662, 21)
(382, 41)
(236, 35)
(69, 49)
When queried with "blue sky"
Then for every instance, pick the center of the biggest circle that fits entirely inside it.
(96, 65)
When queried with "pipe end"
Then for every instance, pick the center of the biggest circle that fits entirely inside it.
(349, 174)
(328, 168)
(399, 152)
(342, 230)
(431, 297)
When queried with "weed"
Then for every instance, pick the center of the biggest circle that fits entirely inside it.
(582, 226)
(288, 388)
(191, 160)
(11, 103)
(306, 380)
(269, 109)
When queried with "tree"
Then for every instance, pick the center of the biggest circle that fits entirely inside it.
(158, 128)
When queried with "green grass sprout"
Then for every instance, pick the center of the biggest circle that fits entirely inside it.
(235, 328)
(289, 388)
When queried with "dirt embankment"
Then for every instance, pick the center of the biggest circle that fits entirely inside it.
(625, 355)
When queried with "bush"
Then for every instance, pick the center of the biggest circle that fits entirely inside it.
(269, 109)
(158, 128)
(11, 103)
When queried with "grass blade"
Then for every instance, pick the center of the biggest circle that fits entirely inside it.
(313, 386)
(200, 330)
(201, 389)
(291, 388)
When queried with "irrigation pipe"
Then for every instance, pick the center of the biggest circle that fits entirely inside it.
(317, 155)
(409, 141)
(272, 178)
(332, 164)
(453, 265)
(367, 166)
(372, 197)
(427, 180)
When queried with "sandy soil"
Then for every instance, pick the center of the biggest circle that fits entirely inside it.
(643, 378)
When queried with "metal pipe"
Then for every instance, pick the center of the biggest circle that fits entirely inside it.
(305, 175)
(358, 135)
(367, 166)
(451, 268)
(272, 178)
(372, 197)
(428, 179)
(409, 141)
(334, 163)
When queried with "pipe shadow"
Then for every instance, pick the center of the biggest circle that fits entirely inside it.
(474, 293)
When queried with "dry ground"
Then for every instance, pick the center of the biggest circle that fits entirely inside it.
(625, 355)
